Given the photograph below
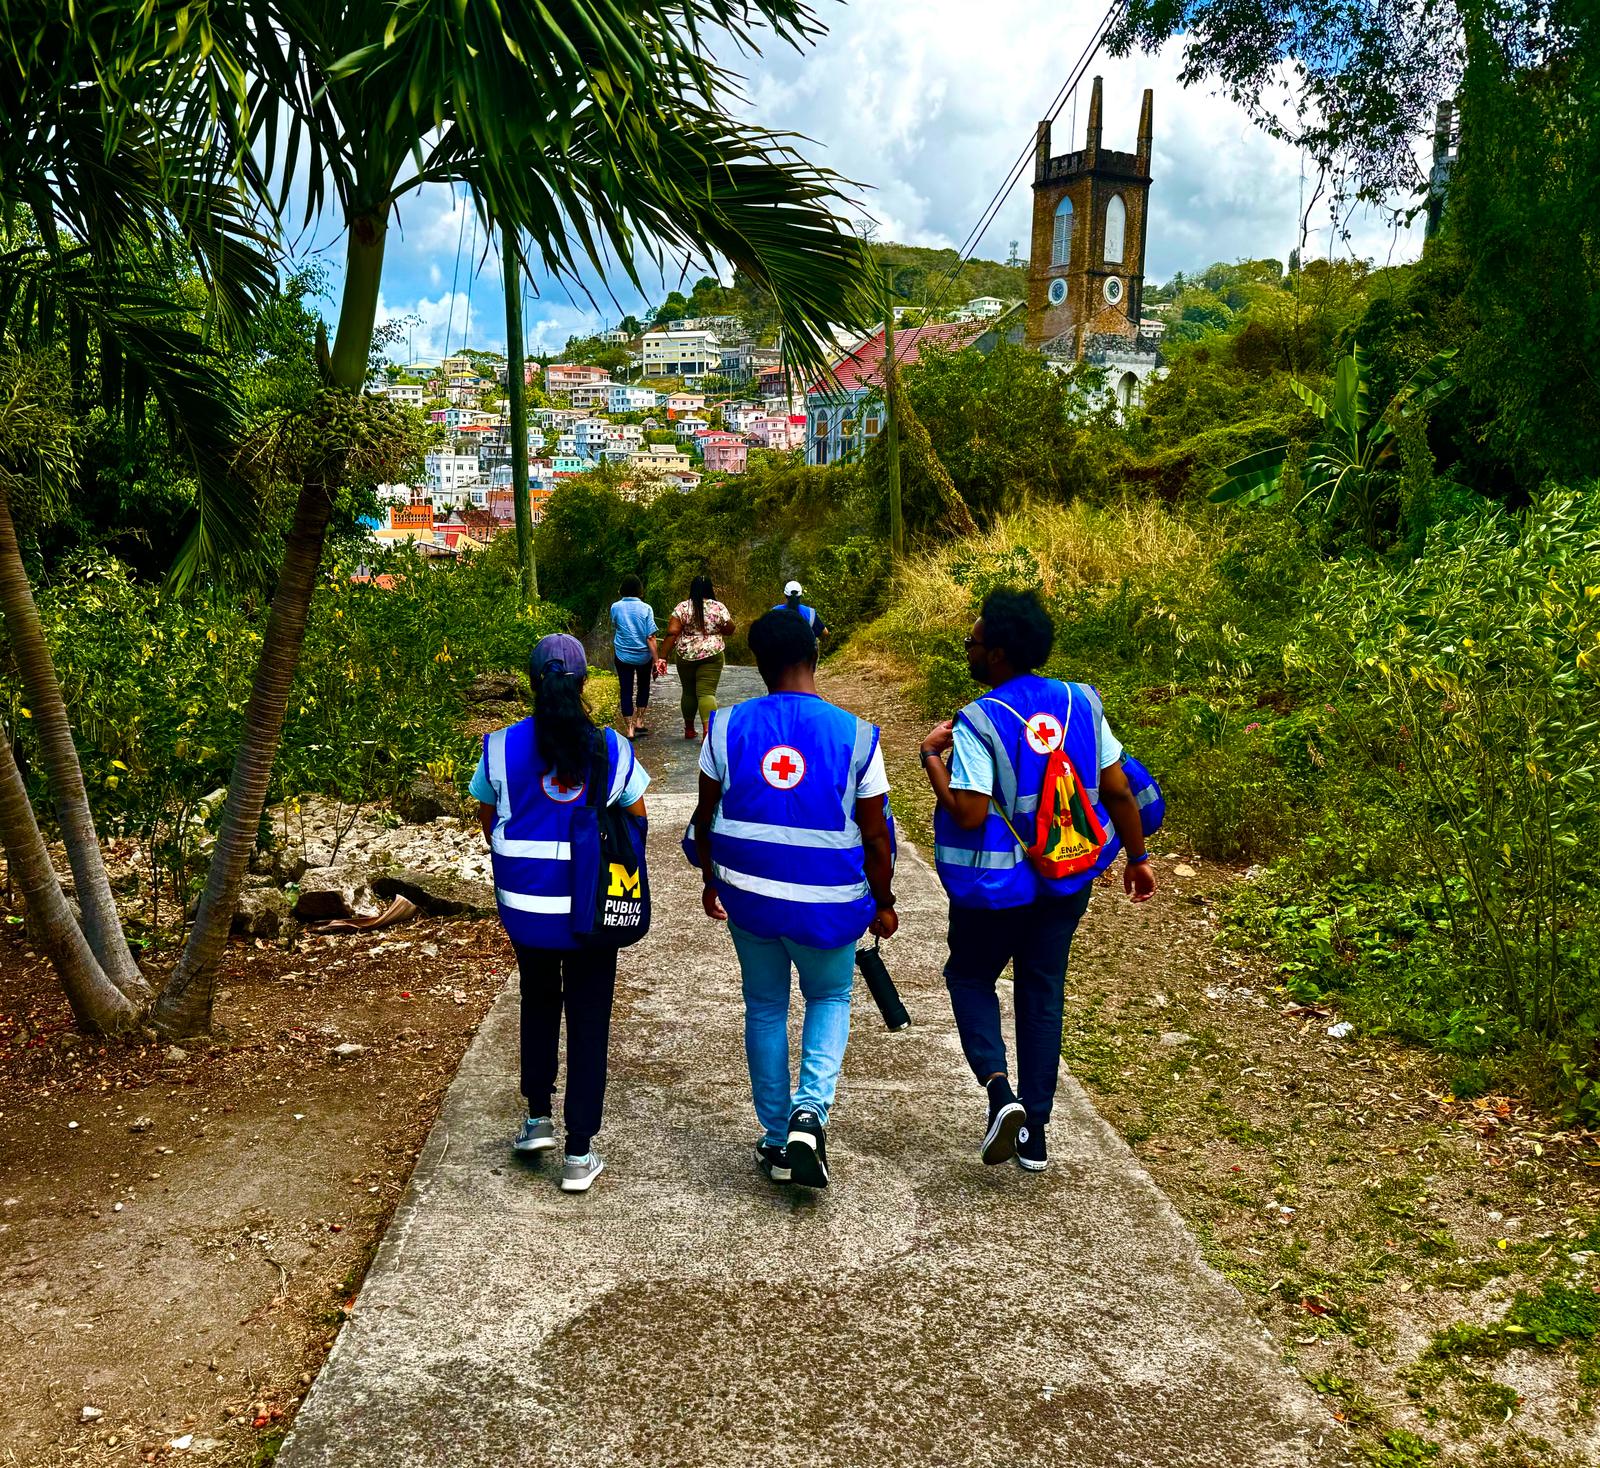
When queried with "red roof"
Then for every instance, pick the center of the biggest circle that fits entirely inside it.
(864, 366)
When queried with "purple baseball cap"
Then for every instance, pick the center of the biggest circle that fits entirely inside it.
(560, 652)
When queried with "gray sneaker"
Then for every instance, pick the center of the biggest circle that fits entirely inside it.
(537, 1135)
(578, 1173)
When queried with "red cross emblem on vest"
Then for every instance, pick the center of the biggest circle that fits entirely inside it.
(559, 792)
(783, 767)
(1044, 733)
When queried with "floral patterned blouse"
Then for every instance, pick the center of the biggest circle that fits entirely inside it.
(694, 645)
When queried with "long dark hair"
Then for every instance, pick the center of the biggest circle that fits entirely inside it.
(699, 590)
(562, 726)
(793, 600)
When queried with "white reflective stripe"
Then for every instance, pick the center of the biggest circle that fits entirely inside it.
(495, 749)
(1004, 773)
(1148, 796)
(790, 891)
(622, 774)
(538, 850)
(964, 856)
(860, 758)
(522, 902)
(719, 743)
(787, 835)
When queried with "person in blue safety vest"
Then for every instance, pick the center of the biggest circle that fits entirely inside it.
(529, 783)
(792, 592)
(792, 838)
(1001, 908)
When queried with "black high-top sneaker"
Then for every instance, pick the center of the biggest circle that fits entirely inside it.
(1006, 1120)
(807, 1149)
(1031, 1155)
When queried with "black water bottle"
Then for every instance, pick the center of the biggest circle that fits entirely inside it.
(881, 986)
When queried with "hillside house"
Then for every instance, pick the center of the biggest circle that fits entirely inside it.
(448, 473)
(845, 411)
(691, 355)
(690, 426)
(737, 416)
(632, 399)
(780, 432)
(724, 453)
(683, 402)
(562, 377)
(591, 396)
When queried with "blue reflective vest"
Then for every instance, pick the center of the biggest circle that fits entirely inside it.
(785, 846)
(531, 844)
(809, 613)
(1019, 723)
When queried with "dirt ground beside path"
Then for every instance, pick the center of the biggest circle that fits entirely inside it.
(1379, 1227)
(181, 1233)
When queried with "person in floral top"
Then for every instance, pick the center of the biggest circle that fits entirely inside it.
(696, 630)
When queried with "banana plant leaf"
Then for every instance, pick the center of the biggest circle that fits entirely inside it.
(1255, 479)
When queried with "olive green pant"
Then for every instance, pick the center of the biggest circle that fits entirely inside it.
(699, 681)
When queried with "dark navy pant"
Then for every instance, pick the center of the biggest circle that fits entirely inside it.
(631, 676)
(1036, 940)
(581, 981)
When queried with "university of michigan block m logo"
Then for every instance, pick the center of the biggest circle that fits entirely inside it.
(623, 882)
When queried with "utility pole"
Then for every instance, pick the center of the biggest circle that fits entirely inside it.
(517, 401)
(897, 528)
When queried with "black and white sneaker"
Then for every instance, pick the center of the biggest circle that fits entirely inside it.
(1006, 1120)
(773, 1160)
(1031, 1155)
(807, 1150)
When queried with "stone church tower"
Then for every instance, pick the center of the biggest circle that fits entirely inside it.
(1086, 270)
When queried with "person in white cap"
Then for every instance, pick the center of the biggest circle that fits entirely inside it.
(791, 602)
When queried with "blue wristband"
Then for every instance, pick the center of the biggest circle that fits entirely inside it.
(1138, 861)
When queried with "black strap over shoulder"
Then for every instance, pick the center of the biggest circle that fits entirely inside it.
(599, 772)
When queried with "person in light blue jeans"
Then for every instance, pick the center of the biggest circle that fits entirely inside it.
(633, 645)
(827, 976)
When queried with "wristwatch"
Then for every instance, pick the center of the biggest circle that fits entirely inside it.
(924, 755)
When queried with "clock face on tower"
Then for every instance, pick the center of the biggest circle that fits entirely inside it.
(1058, 291)
(1113, 290)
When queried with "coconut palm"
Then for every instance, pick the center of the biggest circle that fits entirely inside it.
(100, 215)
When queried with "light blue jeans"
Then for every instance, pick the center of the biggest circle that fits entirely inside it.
(826, 978)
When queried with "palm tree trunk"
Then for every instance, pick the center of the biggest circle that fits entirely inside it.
(102, 924)
(517, 401)
(184, 1007)
(97, 1003)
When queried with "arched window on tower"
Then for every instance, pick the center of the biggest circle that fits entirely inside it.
(1116, 221)
(1061, 244)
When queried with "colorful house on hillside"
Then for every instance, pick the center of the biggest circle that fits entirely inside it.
(780, 432)
(724, 453)
(844, 412)
(560, 377)
(402, 524)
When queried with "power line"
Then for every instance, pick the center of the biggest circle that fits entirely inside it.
(1068, 89)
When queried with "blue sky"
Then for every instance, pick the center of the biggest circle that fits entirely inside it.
(925, 104)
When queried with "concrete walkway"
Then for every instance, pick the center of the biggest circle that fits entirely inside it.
(925, 1310)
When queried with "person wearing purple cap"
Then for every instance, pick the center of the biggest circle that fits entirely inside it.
(529, 783)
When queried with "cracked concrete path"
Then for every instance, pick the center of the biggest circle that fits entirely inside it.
(925, 1310)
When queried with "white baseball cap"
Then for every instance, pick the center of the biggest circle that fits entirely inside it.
(794, 589)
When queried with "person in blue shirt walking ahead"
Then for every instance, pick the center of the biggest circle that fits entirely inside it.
(1003, 909)
(793, 842)
(792, 592)
(633, 647)
(529, 783)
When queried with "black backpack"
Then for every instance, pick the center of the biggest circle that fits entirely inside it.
(610, 883)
